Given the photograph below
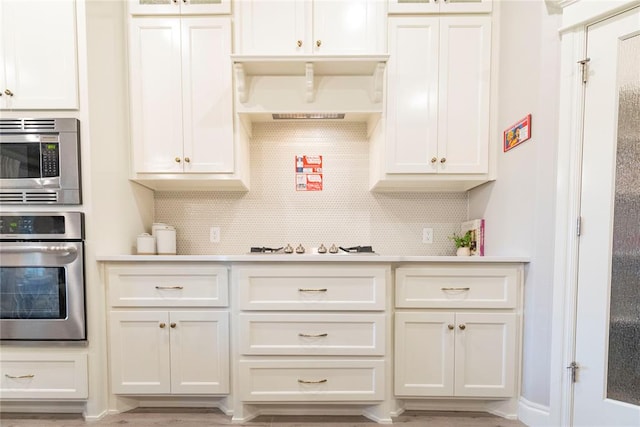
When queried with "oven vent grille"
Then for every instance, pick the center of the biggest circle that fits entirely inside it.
(27, 124)
(28, 197)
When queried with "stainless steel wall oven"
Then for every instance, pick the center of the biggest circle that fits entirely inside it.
(42, 290)
(40, 161)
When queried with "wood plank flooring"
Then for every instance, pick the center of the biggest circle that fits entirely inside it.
(154, 417)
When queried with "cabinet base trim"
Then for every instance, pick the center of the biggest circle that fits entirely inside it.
(507, 408)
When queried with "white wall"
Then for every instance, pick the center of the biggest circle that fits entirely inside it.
(519, 207)
(115, 209)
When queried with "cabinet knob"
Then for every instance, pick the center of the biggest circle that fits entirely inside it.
(442, 160)
(162, 325)
(8, 92)
(318, 43)
(299, 43)
(450, 326)
(173, 324)
(187, 160)
(177, 159)
(433, 160)
(463, 327)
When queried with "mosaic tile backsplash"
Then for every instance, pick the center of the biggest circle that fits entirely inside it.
(345, 212)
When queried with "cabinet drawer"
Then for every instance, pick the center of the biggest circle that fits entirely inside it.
(313, 334)
(312, 288)
(475, 287)
(157, 286)
(42, 375)
(312, 380)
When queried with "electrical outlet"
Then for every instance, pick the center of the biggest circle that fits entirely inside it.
(427, 235)
(214, 235)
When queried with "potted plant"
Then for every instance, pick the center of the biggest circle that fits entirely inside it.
(463, 243)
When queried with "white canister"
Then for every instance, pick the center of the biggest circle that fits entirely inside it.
(146, 244)
(166, 240)
(156, 226)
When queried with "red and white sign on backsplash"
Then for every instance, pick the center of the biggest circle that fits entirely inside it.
(308, 173)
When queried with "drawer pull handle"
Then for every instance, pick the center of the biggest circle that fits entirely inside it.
(312, 290)
(312, 382)
(169, 287)
(455, 289)
(312, 335)
(19, 376)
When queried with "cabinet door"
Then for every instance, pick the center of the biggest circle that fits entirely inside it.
(156, 94)
(173, 7)
(486, 354)
(412, 95)
(39, 55)
(199, 352)
(463, 95)
(435, 6)
(207, 95)
(277, 27)
(348, 27)
(139, 352)
(424, 353)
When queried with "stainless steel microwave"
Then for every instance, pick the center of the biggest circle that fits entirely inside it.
(40, 161)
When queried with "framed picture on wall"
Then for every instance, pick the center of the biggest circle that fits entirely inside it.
(517, 134)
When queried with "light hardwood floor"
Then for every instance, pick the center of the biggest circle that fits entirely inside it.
(154, 417)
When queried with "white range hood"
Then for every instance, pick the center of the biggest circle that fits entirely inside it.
(311, 87)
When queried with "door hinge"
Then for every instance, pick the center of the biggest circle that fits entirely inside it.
(578, 226)
(584, 65)
(574, 369)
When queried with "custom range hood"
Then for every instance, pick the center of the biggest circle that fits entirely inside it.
(310, 87)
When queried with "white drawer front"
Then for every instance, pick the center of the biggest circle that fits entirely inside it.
(41, 375)
(157, 286)
(457, 287)
(312, 380)
(312, 334)
(312, 288)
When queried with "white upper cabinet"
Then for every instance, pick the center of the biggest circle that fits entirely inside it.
(326, 27)
(38, 57)
(181, 95)
(436, 132)
(438, 95)
(178, 7)
(440, 6)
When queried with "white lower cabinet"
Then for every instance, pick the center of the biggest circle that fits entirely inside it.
(43, 375)
(457, 331)
(176, 340)
(311, 334)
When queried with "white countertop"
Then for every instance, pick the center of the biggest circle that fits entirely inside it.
(312, 258)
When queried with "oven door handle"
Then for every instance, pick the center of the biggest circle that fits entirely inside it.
(53, 250)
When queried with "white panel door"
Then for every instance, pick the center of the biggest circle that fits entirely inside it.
(606, 390)
(424, 353)
(463, 95)
(199, 352)
(412, 95)
(139, 352)
(207, 94)
(348, 27)
(276, 27)
(40, 61)
(486, 354)
(156, 94)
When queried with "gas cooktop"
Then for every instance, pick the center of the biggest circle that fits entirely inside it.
(322, 249)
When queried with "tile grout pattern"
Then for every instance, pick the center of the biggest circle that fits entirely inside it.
(197, 417)
(345, 212)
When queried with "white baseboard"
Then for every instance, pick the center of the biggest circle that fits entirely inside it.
(534, 414)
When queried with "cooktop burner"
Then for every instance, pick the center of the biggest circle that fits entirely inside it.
(322, 249)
